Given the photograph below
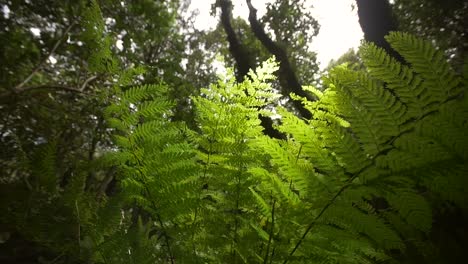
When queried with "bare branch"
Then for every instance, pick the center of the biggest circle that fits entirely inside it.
(50, 86)
(44, 60)
(90, 79)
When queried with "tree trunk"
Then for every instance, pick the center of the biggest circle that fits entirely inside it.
(376, 20)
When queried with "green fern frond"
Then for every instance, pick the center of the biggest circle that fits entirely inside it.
(264, 206)
(431, 64)
(413, 208)
(101, 59)
(354, 220)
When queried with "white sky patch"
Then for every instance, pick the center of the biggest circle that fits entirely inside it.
(339, 25)
(133, 45)
(218, 65)
(339, 29)
(119, 44)
(52, 60)
(110, 21)
(6, 11)
(35, 31)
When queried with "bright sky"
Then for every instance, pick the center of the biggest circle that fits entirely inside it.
(339, 26)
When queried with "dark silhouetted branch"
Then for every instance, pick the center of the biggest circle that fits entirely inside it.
(235, 46)
(376, 20)
(242, 60)
(49, 86)
(287, 76)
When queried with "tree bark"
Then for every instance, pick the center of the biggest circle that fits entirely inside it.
(376, 20)
(242, 60)
(287, 77)
(235, 46)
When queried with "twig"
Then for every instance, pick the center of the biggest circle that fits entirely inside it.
(51, 86)
(41, 63)
(90, 79)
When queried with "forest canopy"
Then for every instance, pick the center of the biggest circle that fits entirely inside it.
(122, 142)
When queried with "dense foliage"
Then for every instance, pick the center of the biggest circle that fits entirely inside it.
(377, 174)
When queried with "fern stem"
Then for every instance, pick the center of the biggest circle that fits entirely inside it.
(153, 204)
(342, 189)
(158, 216)
(236, 220)
(312, 224)
(299, 153)
(205, 170)
(271, 232)
(238, 190)
(272, 254)
(166, 238)
(193, 236)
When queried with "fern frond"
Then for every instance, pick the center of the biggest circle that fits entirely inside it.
(413, 208)
(400, 79)
(431, 64)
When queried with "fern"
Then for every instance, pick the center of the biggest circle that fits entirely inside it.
(359, 182)
(393, 136)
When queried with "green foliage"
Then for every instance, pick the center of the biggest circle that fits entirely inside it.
(443, 22)
(100, 59)
(362, 181)
(355, 184)
(54, 208)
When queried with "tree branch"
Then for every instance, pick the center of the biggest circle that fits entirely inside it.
(235, 46)
(44, 60)
(376, 20)
(243, 63)
(287, 76)
(50, 86)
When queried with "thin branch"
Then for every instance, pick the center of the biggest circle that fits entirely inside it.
(50, 86)
(272, 254)
(44, 60)
(90, 79)
(166, 237)
(47, 86)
